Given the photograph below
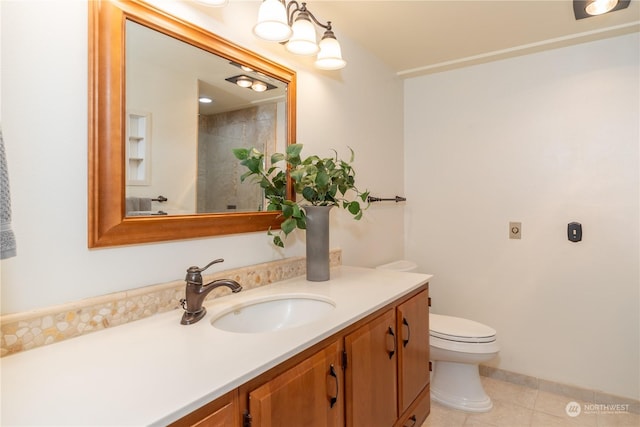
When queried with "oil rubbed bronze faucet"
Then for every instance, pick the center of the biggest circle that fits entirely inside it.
(196, 292)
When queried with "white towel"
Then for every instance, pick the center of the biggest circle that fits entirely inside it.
(7, 238)
(135, 204)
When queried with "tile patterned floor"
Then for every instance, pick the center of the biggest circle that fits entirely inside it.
(520, 406)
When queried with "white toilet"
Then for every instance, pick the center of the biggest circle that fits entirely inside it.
(457, 347)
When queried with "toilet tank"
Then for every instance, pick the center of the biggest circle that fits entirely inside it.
(400, 265)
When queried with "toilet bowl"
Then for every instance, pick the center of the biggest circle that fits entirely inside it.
(457, 347)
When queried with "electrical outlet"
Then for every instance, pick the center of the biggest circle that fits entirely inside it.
(515, 230)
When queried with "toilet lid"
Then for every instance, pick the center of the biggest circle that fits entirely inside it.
(459, 329)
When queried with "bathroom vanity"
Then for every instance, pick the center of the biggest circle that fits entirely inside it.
(365, 362)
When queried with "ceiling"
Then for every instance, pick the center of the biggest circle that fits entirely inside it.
(425, 36)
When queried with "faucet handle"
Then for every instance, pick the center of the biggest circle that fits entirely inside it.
(195, 269)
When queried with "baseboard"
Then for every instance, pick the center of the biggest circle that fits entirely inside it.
(585, 395)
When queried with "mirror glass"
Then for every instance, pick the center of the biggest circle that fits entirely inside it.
(151, 138)
(186, 109)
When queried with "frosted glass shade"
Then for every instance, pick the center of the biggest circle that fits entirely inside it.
(214, 3)
(272, 22)
(303, 40)
(330, 55)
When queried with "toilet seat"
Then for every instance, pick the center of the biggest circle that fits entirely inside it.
(460, 330)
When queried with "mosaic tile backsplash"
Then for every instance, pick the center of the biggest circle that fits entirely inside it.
(31, 329)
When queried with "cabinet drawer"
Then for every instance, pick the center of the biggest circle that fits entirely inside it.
(418, 412)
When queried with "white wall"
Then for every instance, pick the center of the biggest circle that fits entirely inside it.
(545, 139)
(173, 135)
(44, 121)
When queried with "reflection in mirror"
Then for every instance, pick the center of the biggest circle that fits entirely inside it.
(141, 148)
(186, 110)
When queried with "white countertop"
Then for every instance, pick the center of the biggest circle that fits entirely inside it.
(154, 371)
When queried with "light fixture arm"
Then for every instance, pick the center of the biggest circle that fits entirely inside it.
(293, 25)
(303, 8)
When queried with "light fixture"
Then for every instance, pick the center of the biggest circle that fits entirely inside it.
(205, 100)
(244, 81)
(259, 86)
(252, 83)
(214, 3)
(330, 55)
(588, 8)
(272, 23)
(598, 7)
(292, 23)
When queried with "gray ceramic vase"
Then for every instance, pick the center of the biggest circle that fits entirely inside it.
(317, 242)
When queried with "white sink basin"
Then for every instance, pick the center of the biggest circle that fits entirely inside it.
(272, 313)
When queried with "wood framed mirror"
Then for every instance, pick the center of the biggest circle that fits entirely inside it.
(109, 223)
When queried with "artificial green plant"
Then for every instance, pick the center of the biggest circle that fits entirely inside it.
(320, 182)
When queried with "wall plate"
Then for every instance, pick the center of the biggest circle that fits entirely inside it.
(515, 230)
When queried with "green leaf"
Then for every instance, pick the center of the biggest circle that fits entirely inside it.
(301, 223)
(277, 157)
(253, 164)
(245, 176)
(294, 150)
(309, 194)
(287, 211)
(354, 207)
(297, 175)
(288, 225)
(297, 212)
(240, 153)
(322, 179)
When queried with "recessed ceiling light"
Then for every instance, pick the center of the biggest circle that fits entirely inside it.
(259, 86)
(205, 100)
(254, 83)
(244, 81)
(590, 8)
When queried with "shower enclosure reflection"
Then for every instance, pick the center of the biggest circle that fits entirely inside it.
(218, 185)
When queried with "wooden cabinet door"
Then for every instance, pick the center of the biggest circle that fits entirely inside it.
(308, 395)
(222, 412)
(223, 417)
(370, 375)
(413, 337)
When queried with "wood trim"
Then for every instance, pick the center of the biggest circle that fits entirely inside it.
(107, 224)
